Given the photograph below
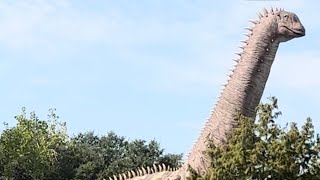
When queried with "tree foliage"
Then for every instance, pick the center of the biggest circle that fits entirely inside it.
(260, 149)
(41, 149)
(113, 154)
(28, 149)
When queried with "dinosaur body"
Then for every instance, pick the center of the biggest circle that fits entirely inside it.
(244, 89)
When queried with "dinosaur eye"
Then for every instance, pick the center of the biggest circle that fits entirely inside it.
(286, 16)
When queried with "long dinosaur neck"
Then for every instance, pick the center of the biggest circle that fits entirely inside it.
(243, 91)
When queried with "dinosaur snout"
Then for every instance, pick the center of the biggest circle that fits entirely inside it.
(302, 30)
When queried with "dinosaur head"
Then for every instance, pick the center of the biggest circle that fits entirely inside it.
(289, 26)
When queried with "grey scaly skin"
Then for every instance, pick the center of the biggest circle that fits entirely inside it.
(244, 89)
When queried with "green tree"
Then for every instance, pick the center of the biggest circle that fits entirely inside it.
(112, 154)
(138, 153)
(260, 149)
(172, 160)
(28, 149)
(69, 158)
(41, 149)
(97, 153)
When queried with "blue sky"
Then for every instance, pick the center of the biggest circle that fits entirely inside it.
(144, 69)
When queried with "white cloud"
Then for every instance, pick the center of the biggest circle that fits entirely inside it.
(20, 21)
(33, 23)
(209, 40)
(27, 21)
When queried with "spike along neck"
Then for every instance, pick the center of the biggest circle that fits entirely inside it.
(243, 90)
(247, 82)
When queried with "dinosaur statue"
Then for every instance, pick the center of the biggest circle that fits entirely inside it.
(242, 93)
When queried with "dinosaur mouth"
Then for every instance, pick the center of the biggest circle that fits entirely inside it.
(298, 32)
